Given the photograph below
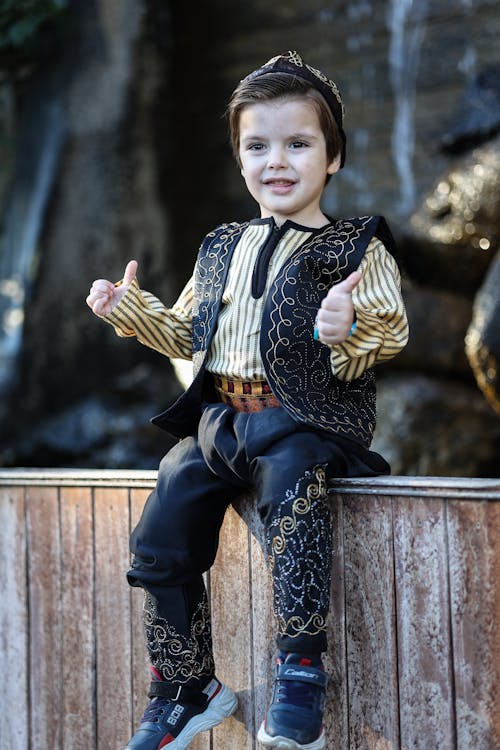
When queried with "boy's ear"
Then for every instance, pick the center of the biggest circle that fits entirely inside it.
(334, 165)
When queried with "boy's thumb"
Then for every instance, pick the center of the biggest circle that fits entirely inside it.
(351, 282)
(130, 272)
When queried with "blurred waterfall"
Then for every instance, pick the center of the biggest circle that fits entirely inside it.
(38, 149)
(406, 20)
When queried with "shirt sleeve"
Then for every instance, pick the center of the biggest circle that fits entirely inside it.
(382, 325)
(141, 314)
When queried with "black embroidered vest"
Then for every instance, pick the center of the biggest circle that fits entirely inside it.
(297, 367)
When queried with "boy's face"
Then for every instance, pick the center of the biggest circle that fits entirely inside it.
(284, 160)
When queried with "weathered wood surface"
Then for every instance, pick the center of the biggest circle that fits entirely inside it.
(77, 605)
(370, 621)
(414, 626)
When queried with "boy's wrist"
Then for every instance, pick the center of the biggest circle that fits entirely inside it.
(354, 324)
(352, 329)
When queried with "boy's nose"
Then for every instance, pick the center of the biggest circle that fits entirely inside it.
(277, 158)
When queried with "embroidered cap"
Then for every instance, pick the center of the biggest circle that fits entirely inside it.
(293, 64)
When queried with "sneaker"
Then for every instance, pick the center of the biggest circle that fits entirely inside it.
(177, 714)
(294, 720)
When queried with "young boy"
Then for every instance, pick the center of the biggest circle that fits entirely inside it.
(284, 318)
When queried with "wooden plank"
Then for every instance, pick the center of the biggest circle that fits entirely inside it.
(263, 620)
(78, 710)
(474, 542)
(336, 708)
(45, 629)
(424, 640)
(370, 623)
(232, 631)
(141, 676)
(113, 621)
(421, 487)
(14, 696)
(51, 559)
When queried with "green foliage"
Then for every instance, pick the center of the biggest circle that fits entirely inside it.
(21, 27)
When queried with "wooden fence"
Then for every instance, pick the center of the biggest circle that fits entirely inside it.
(414, 627)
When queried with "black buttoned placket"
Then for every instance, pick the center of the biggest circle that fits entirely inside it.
(261, 267)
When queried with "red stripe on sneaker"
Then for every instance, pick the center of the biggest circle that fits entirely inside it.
(166, 741)
(156, 674)
(219, 688)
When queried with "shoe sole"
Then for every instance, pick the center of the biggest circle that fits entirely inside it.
(284, 743)
(220, 707)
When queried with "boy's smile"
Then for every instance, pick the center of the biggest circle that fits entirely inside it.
(284, 159)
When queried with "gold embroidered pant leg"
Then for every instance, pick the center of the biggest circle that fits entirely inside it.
(173, 544)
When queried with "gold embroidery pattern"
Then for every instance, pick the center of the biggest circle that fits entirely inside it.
(177, 658)
(208, 286)
(300, 547)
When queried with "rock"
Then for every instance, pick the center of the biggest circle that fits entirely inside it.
(477, 117)
(104, 208)
(483, 336)
(108, 429)
(438, 324)
(456, 231)
(146, 171)
(436, 427)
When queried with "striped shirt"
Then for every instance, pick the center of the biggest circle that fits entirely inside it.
(382, 328)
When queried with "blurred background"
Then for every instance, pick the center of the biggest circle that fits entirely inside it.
(113, 145)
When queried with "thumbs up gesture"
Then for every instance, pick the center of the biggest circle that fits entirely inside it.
(104, 295)
(336, 314)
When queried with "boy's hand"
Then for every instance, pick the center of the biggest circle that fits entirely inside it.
(104, 295)
(336, 314)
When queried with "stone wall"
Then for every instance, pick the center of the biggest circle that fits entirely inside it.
(142, 169)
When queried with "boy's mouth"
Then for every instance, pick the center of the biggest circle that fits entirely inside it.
(279, 186)
(278, 182)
